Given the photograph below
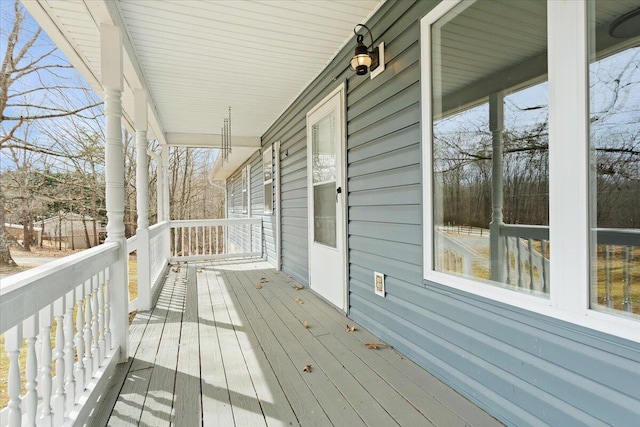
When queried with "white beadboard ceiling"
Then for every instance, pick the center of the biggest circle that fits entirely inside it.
(197, 58)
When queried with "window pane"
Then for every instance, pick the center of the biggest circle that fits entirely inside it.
(614, 116)
(490, 144)
(266, 164)
(268, 198)
(324, 152)
(324, 217)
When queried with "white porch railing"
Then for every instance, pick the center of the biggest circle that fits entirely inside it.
(616, 247)
(195, 240)
(526, 265)
(454, 256)
(71, 297)
(526, 259)
(159, 253)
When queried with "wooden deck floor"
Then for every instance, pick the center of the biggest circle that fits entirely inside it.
(218, 350)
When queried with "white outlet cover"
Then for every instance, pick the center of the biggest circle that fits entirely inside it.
(378, 283)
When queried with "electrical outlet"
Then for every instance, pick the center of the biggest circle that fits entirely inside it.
(379, 283)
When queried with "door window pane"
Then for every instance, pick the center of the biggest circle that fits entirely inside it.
(490, 144)
(324, 214)
(324, 149)
(614, 137)
(267, 171)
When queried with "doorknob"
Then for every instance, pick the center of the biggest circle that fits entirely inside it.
(338, 191)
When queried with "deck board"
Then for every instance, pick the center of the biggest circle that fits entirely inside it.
(219, 350)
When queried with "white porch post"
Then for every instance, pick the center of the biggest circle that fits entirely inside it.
(165, 183)
(142, 192)
(496, 125)
(159, 185)
(112, 81)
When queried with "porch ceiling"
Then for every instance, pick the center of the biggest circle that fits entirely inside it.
(196, 58)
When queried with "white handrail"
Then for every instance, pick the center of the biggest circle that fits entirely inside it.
(24, 294)
(70, 297)
(207, 239)
(214, 222)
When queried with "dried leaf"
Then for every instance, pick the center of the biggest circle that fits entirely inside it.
(298, 287)
(351, 328)
(299, 301)
(376, 345)
(258, 286)
(305, 324)
(176, 269)
(263, 280)
(307, 368)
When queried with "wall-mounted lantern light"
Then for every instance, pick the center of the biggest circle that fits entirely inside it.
(367, 58)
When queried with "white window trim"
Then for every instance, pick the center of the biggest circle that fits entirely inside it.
(267, 153)
(568, 198)
(245, 177)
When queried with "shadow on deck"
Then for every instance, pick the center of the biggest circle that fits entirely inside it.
(227, 344)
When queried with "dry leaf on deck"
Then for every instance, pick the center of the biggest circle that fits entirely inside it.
(176, 270)
(305, 324)
(258, 286)
(307, 368)
(376, 345)
(298, 287)
(351, 328)
(299, 301)
(263, 280)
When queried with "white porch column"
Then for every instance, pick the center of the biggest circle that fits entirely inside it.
(496, 125)
(112, 81)
(159, 184)
(165, 183)
(142, 192)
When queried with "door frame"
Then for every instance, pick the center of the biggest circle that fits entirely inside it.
(340, 90)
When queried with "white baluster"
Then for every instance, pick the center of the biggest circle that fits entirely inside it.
(13, 339)
(46, 415)
(196, 231)
(69, 353)
(31, 370)
(107, 312)
(101, 341)
(88, 337)
(79, 340)
(95, 331)
(58, 356)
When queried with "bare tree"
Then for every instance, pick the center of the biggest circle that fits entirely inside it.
(35, 85)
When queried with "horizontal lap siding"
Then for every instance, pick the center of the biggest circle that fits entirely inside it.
(523, 368)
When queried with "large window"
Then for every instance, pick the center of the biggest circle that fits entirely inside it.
(490, 145)
(531, 151)
(614, 135)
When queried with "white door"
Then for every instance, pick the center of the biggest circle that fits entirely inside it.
(325, 148)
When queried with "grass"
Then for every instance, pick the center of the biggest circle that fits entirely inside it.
(4, 360)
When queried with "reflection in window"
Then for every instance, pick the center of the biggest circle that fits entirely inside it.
(245, 189)
(490, 145)
(614, 116)
(324, 153)
(267, 179)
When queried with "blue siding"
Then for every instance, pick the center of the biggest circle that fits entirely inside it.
(523, 368)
